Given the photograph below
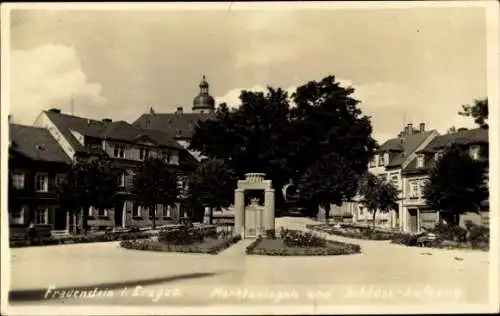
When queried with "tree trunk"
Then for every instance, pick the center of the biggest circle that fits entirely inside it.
(85, 216)
(327, 213)
(211, 217)
(374, 214)
(153, 220)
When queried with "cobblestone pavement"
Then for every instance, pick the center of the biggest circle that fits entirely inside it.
(383, 274)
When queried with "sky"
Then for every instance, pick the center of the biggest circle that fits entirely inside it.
(407, 65)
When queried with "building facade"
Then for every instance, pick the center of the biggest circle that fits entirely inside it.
(36, 166)
(417, 214)
(127, 146)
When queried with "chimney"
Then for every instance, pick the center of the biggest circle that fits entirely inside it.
(410, 129)
(405, 132)
(107, 120)
(462, 129)
(179, 110)
(54, 110)
(422, 127)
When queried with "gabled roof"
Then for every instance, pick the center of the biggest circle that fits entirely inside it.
(464, 137)
(36, 143)
(119, 131)
(404, 146)
(178, 125)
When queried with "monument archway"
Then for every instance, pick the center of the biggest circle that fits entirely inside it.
(262, 221)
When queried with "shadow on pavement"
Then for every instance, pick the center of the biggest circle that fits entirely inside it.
(39, 294)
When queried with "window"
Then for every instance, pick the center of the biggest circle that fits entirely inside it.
(386, 158)
(394, 180)
(59, 180)
(136, 211)
(121, 180)
(41, 215)
(119, 151)
(165, 155)
(143, 153)
(381, 161)
(474, 152)
(17, 215)
(420, 161)
(102, 212)
(361, 211)
(18, 180)
(422, 187)
(414, 188)
(41, 183)
(166, 211)
(438, 155)
(382, 177)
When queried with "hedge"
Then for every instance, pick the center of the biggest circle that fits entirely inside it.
(46, 241)
(367, 233)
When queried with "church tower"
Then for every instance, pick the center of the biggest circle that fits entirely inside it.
(203, 102)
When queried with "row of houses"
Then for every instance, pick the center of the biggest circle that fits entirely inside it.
(406, 161)
(39, 155)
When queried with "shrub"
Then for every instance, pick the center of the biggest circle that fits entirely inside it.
(79, 239)
(271, 233)
(293, 238)
(450, 232)
(477, 234)
(405, 239)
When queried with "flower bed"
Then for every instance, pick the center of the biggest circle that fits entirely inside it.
(209, 245)
(351, 231)
(296, 243)
(46, 241)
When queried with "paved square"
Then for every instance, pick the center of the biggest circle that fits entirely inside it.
(382, 274)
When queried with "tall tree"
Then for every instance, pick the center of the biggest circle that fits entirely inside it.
(456, 184)
(154, 184)
(264, 135)
(90, 182)
(327, 120)
(212, 185)
(329, 181)
(252, 138)
(377, 196)
(478, 111)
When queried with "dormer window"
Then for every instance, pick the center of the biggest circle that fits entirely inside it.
(143, 154)
(119, 151)
(438, 155)
(420, 161)
(381, 160)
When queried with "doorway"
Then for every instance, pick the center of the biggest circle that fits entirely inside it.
(413, 220)
(118, 216)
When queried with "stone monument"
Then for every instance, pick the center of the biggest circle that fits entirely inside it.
(261, 220)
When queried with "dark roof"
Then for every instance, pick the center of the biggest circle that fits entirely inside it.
(120, 131)
(411, 168)
(465, 137)
(391, 145)
(404, 147)
(178, 125)
(36, 143)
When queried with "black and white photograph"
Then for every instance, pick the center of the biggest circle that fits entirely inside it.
(250, 157)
